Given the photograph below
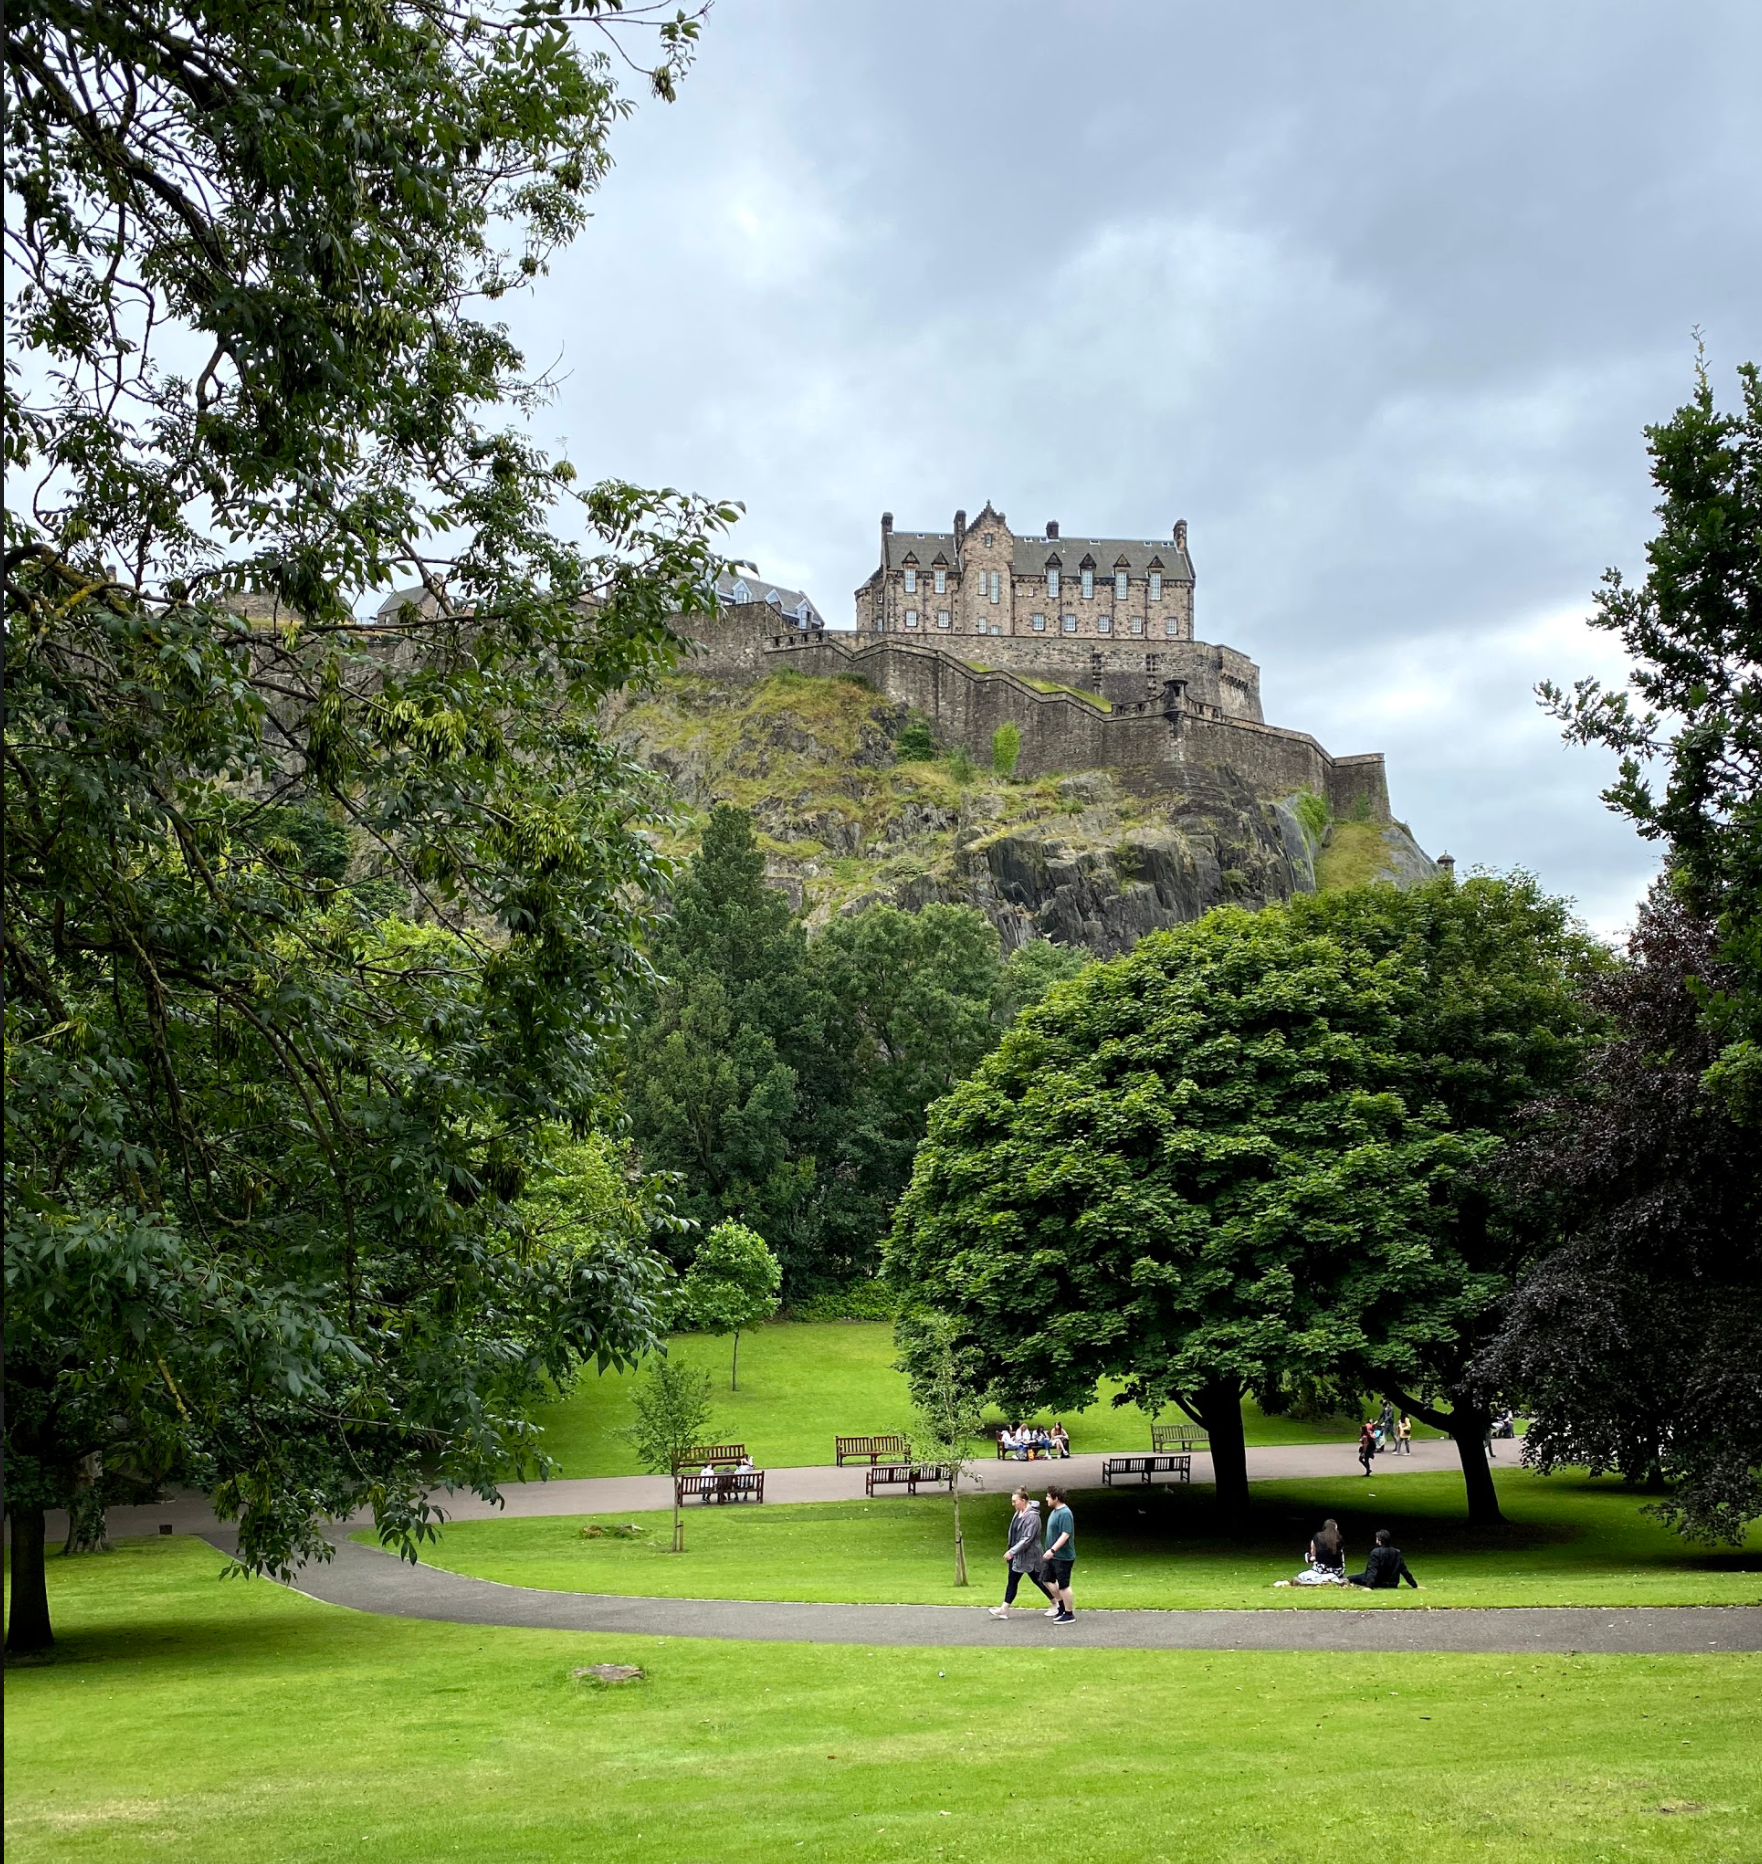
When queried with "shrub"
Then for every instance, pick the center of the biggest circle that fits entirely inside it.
(961, 765)
(914, 743)
(1313, 812)
(1006, 748)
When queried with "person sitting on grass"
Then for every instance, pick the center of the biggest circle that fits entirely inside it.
(1326, 1557)
(1385, 1569)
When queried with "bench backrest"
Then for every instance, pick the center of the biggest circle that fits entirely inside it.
(1177, 1436)
(865, 1446)
(726, 1481)
(715, 1454)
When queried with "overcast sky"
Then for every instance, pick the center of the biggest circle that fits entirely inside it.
(1378, 297)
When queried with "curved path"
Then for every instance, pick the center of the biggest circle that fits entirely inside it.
(366, 1579)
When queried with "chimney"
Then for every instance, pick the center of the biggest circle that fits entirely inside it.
(960, 529)
(1051, 528)
(1181, 533)
(886, 523)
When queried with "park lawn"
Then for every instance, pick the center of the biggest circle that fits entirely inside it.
(185, 1718)
(802, 1383)
(1568, 1540)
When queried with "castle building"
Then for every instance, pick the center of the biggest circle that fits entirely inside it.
(984, 579)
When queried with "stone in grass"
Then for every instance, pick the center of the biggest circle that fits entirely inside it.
(608, 1674)
(618, 1530)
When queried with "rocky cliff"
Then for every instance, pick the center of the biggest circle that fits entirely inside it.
(851, 811)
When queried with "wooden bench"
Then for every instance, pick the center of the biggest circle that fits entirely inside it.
(726, 1485)
(716, 1455)
(894, 1475)
(894, 1447)
(1181, 1436)
(1040, 1454)
(1145, 1468)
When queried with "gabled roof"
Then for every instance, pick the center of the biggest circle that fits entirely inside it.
(743, 586)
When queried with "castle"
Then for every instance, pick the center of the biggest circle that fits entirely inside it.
(1086, 645)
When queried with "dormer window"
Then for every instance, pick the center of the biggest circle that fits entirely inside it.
(1156, 585)
(1088, 585)
(942, 582)
(741, 592)
(1119, 585)
(1052, 582)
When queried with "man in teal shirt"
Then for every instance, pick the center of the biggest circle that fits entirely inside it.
(1061, 1555)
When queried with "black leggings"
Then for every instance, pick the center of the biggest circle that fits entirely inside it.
(1015, 1579)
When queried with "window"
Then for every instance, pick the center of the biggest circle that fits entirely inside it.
(996, 585)
(1070, 624)
(987, 540)
(1137, 624)
(1119, 585)
(942, 582)
(1156, 585)
(1037, 623)
(911, 579)
(1171, 627)
(1052, 585)
(942, 618)
(1104, 624)
(1088, 585)
(911, 618)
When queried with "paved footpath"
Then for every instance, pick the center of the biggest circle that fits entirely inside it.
(366, 1579)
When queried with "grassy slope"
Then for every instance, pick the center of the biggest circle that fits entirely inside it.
(1353, 854)
(801, 1384)
(193, 1720)
(1568, 1541)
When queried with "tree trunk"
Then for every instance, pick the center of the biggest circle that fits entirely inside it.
(1220, 1410)
(960, 1545)
(678, 1521)
(734, 1370)
(1469, 1431)
(27, 1629)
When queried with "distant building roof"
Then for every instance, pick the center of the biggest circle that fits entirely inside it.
(743, 586)
(1030, 554)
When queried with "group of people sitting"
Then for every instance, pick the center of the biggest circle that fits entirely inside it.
(1384, 1569)
(1027, 1443)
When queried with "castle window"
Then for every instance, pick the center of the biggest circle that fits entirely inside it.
(1137, 624)
(1069, 624)
(942, 618)
(1172, 628)
(1119, 585)
(1104, 624)
(911, 618)
(1037, 623)
(741, 592)
(987, 540)
(1088, 585)
(1156, 585)
(1051, 583)
(942, 582)
(996, 585)
(911, 579)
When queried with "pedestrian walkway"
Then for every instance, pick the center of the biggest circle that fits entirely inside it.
(369, 1580)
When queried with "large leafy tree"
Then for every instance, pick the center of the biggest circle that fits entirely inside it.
(1251, 1153)
(1693, 629)
(1636, 1336)
(316, 932)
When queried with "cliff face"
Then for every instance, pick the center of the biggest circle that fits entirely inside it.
(1092, 857)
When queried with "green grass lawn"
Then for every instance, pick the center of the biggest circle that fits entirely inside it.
(803, 1383)
(194, 1720)
(1568, 1541)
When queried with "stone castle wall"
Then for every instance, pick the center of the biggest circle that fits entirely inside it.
(1147, 739)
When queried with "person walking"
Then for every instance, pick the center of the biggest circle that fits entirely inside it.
(1022, 1555)
(1404, 1434)
(1386, 1423)
(1367, 1444)
(1061, 1554)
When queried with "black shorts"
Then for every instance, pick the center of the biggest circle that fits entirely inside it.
(1059, 1572)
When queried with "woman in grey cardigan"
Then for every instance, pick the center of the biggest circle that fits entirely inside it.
(1022, 1555)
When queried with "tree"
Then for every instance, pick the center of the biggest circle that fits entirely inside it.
(317, 932)
(948, 1415)
(1031, 972)
(672, 1405)
(1635, 1336)
(1251, 1152)
(730, 1054)
(732, 1283)
(1694, 631)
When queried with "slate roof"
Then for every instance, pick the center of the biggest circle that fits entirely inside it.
(743, 586)
(1029, 555)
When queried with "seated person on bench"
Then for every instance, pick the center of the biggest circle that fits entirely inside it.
(1385, 1569)
(1061, 1442)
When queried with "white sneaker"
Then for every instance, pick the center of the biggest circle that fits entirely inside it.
(1051, 1611)
(1000, 1611)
